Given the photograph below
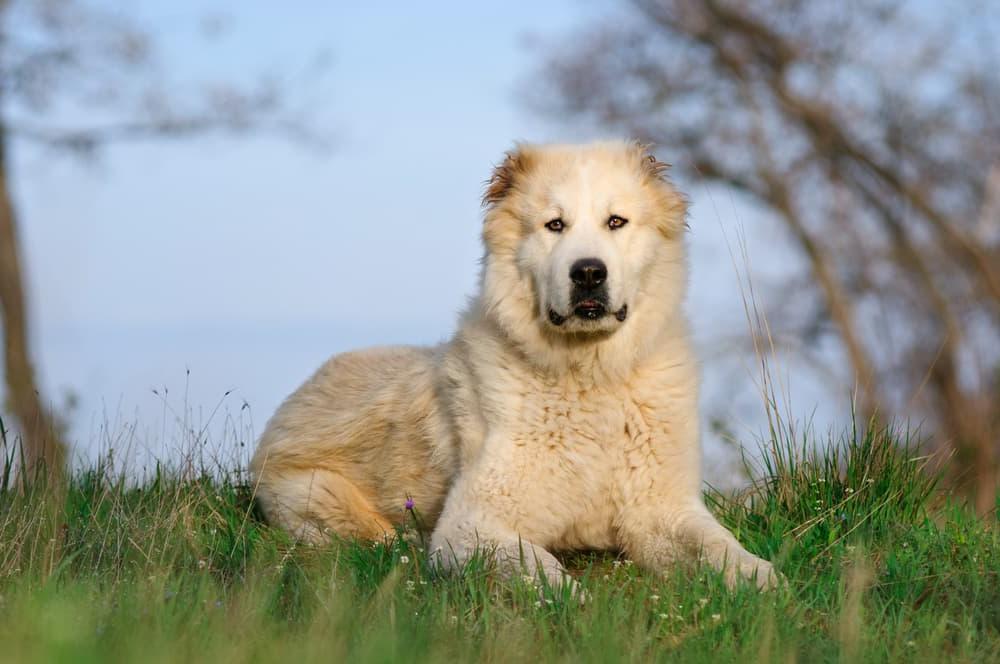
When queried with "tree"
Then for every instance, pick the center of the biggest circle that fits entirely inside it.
(74, 79)
(868, 132)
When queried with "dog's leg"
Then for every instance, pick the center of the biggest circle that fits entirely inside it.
(657, 537)
(472, 524)
(453, 547)
(315, 504)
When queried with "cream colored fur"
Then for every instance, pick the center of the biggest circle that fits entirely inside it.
(519, 436)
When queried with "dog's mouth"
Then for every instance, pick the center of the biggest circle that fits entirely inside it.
(588, 309)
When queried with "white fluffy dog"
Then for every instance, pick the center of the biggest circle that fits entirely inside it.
(562, 415)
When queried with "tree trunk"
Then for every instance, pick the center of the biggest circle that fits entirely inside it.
(42, 451)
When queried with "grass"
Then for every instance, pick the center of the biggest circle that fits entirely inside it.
(880, 566)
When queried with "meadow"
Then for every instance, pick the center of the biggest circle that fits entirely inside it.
(880, 564)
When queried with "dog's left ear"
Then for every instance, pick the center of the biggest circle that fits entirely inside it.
(506, 176)
(651, 166)
(672, 205)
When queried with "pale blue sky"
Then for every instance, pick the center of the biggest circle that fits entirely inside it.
(250, 261)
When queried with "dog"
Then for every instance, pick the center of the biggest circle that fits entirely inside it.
(562, 415)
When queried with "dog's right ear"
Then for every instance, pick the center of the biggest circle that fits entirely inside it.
(507, 175)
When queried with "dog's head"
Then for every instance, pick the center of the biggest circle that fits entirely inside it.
(580, 238)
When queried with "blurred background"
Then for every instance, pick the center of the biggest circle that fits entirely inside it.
(199, 204)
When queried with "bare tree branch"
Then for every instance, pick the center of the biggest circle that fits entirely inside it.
(870, 136)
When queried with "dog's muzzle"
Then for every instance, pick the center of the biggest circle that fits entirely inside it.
(590, 293)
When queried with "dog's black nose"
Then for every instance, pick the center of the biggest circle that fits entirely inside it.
(589, 272)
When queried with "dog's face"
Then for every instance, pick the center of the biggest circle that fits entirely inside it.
(585, 226)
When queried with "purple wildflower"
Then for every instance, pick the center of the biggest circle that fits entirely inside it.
(409, 504)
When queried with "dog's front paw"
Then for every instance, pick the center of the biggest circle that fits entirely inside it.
(748, 567)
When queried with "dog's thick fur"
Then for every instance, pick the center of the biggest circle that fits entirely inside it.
(544, 424)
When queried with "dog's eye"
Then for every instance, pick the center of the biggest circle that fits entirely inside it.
(615, 222)
(556, 225)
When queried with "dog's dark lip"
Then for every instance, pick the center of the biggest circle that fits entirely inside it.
(589, 310)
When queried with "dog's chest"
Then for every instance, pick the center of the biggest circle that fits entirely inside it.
(572, 445)
(567, 420)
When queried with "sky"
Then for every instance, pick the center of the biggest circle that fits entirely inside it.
(189, 286)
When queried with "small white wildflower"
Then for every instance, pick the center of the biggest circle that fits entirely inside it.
(716, 617)
(202, 564)
(655, 598)
(404, 559)
(616, 564)
(628, 563)
(453, 620)
(410, 585)
(849, 490)
(663, 616)
(911, 644)
(703, 601)
(549, 602)
(423, 582)
(527, 578)
(538, 603)
(606, 577)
